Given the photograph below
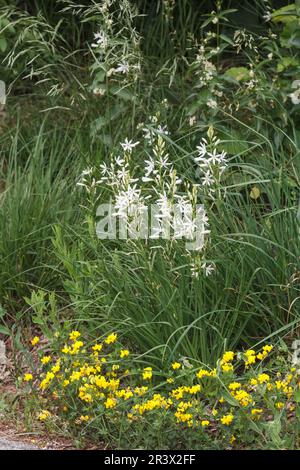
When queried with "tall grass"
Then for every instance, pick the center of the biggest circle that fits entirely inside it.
(142, 289)
(37, 175)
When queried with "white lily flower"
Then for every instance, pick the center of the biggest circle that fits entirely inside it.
(128, 145)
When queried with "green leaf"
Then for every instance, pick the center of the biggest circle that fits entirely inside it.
(285, 14)
(3, 44)
(239, 74)
(287, 62)
(290, 35)
(297, 395)
(4, 330)
(298, 412)
(229, 398)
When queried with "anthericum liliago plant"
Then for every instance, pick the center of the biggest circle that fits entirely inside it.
(99, 389)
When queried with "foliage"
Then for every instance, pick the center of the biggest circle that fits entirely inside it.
(190, 101)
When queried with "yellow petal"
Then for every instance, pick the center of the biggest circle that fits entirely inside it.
(255, 193)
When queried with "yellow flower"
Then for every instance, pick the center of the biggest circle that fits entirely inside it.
(263, 378)
(124, 353)
(184, 417)
(45, 360)
(76, 375)
(66, 349)
(84, 396)
(178, 393)
(97, 347)
(170, 380)
(266, 350)
(256, 411)
(45, 414)
(66, 382)
(227, 419)
(147, 373)
(214, 412)
(110, 403)
(279, 405)
(253, 382)
(232, 440)
(111, 338)
(243, 397)
(49, 377)
(74, 335)
(227, 357)
(176, 365)
(194, 389)
(28, 377)
(227, 367)
(35, 340)
(139, 391)
(84, 418)
(221, 400)
(126, 394)
(204, 423)
(75, 348)
(250, 357)
(202, 373)
(56, 367)
(249, 352)
(234, 386)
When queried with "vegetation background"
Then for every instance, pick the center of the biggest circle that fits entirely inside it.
(193, 69)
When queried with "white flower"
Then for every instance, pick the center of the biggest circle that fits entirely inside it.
(208, 269)
(164, 161)
(119, 161)
(267, 17)
(163, 130)
(128, 200)
(164, 207)
(104, 169)
(212, 103)
(295, 97)
(217, 158)
(99, 91)
(123, 174)
(150, 168)
(128, 145)
(123, 67)
(192, 120)
(88, 171)
(207, 180)
(195, 271)
(296, 84)
(101, 40)
(202, 150)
